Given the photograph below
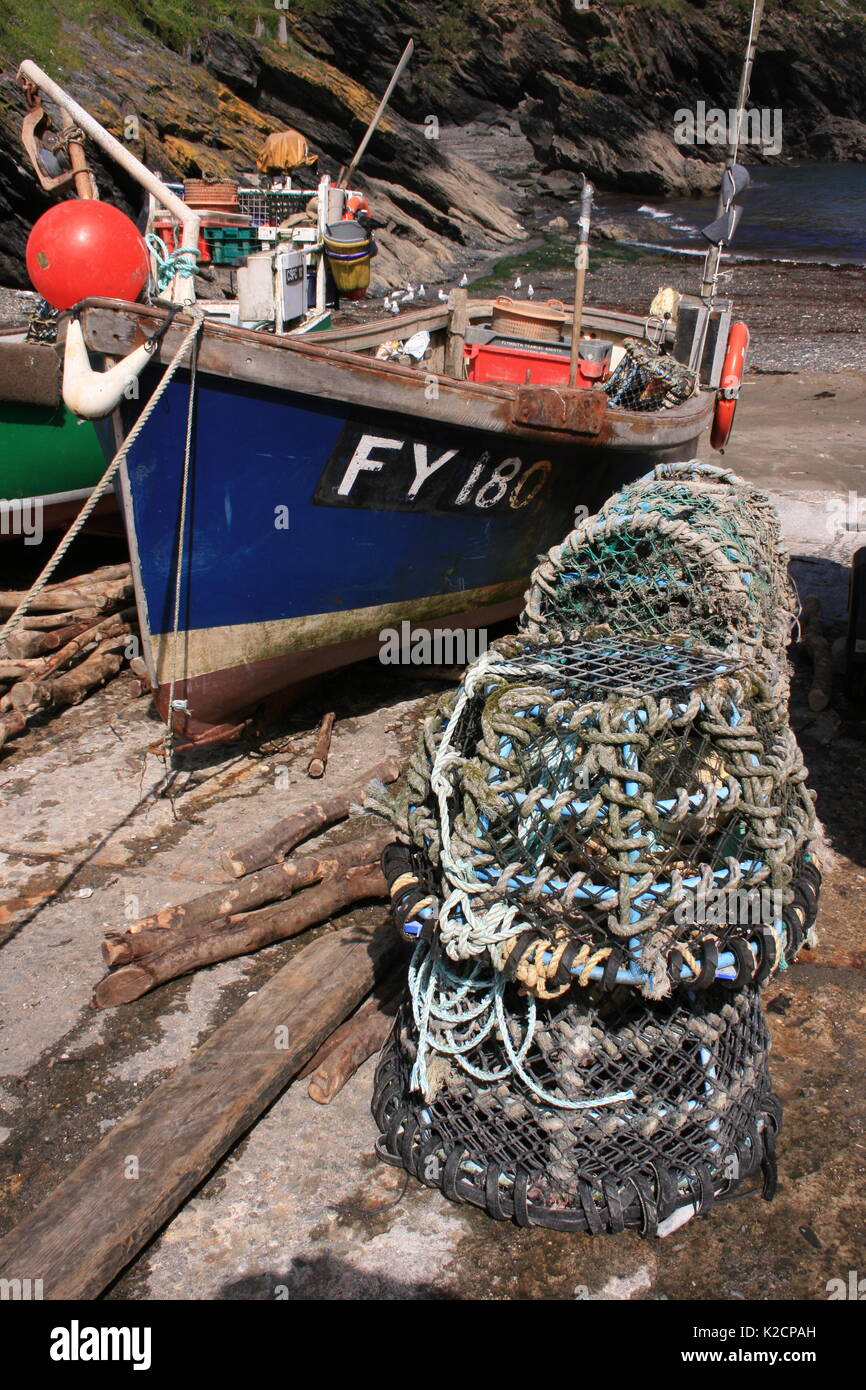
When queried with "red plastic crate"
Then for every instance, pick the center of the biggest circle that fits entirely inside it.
(164, 227)
(494, 362)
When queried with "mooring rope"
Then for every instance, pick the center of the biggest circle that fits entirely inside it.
(181, 262)
(181, 532)
(105, 481)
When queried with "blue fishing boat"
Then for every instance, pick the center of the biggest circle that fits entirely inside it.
(329, 495)
(289, 494)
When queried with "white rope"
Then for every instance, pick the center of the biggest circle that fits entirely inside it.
(184, 495)
(103, 484)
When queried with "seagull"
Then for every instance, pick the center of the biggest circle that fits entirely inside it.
(421, 292)
(395, 308)
(463, 281)
(518, 282)
(530, 293)
(443, 296)
(410, 289)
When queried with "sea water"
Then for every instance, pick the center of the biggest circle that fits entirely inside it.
(806, 211)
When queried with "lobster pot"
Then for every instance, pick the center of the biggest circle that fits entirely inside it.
(594, 1113)
(717, 501)
(688, 550)
(648, 379)
(615, 811)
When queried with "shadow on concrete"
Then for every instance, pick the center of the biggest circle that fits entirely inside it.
(833, 741)
(329, 1278)
(828, 581)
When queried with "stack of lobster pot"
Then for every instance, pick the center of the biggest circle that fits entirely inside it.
(605, 847)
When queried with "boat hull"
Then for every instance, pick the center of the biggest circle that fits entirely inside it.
(49, 460)
(315, 523)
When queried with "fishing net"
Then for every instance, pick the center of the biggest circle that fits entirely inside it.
(605, 845)
(612, 810)
(689, 550)
(595, 1112)
(647, 379)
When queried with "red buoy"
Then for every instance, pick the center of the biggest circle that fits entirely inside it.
(85, 247)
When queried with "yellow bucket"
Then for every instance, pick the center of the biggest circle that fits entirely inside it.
(350, 272)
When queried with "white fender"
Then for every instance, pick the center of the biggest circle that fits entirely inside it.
(90, 394)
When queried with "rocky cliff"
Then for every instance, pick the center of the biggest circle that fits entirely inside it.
(568, 86)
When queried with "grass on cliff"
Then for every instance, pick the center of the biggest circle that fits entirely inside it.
(554, 253)
(32, 29)
(47, 33)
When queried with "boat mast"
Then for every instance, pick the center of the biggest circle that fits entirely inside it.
(346, 173)
(714, 255)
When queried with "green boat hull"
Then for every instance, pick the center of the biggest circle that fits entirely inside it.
(46, 450)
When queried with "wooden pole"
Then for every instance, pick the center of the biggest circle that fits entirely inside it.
(35, 689)
(581, 262)
(458, 322)
(287, 833)
(83, 179)
(238, 936)
(345, 175)
(97, 1220)
(354, 1041)
(319, 761)
(275, 882)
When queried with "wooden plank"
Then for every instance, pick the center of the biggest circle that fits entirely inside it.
(458, 322)
(85, 1232)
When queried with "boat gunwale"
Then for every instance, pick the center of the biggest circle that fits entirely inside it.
(622, 429)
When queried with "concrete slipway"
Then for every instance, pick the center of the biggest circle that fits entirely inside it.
(301, 1208)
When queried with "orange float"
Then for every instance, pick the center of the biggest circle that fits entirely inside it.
(729, 387)
(85, 247)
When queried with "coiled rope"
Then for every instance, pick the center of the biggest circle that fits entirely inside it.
(445, 1001)
(182, 262)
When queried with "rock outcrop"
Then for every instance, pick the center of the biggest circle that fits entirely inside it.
(592, 88)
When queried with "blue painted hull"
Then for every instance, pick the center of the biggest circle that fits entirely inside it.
(312, 525)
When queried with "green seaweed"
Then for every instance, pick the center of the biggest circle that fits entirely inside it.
(554, 253)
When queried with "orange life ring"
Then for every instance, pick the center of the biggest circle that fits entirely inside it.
(355, 203)
(729, 387)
